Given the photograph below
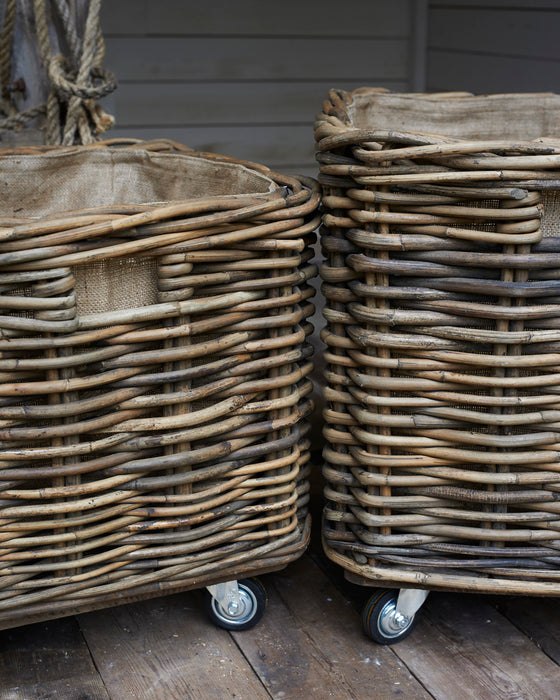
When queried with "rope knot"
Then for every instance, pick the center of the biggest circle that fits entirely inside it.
(98, 83)
(76, 84)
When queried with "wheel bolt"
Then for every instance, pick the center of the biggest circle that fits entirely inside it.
(401, 621)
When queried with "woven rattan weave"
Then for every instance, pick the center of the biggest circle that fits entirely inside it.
(441, 238)
(153, 373)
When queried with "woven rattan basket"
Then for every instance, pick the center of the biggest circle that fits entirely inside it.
(153, 373)
(441, 238)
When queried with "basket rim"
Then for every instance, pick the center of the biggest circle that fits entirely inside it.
(340, 112)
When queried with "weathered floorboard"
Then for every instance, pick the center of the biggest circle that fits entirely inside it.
(48, 660)
(310, 645)
(166, 648)
(538, 618)
(463, 647)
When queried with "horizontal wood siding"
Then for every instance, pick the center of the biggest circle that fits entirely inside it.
(196, 59)
(255, 18)
(245, 78)
(493, 47)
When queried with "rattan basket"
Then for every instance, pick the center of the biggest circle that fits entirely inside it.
(441, 238)
(153, 373)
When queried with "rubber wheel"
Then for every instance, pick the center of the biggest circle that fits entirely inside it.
(253, 602)
(379, 622)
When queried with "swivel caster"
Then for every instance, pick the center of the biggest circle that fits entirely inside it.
(236, 605)
(390, 616)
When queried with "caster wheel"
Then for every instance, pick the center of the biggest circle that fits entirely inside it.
(381, 621)
(252, 603)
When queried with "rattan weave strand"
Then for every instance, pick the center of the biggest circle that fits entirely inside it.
(441, 241)
(153, 373)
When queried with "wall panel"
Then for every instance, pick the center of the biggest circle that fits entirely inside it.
(256, 18)
(247, 78)
(493, 46)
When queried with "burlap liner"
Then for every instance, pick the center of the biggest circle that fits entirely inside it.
(42, 185)
(36, 186)
(503, 117)
(550, 222)
(115, 284)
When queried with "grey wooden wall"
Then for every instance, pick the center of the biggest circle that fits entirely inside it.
(247, 77)
(493, 46)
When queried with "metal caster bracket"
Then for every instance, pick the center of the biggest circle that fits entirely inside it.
(236, 605)
(226, 595)
(410, 600)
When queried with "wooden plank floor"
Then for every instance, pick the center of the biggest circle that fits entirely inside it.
(308, 645)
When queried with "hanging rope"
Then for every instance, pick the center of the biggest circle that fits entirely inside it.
(6, 41)
(77, 82)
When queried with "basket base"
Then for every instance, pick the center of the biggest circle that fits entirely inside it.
(376, 576)
(276, 561)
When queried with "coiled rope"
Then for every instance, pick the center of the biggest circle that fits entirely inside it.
(76, 82)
